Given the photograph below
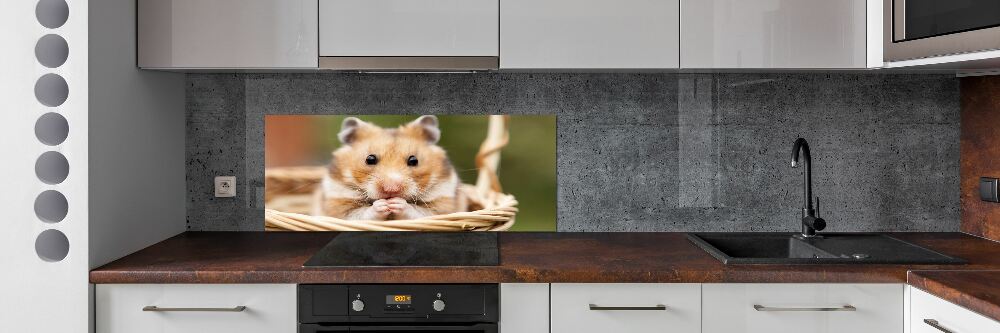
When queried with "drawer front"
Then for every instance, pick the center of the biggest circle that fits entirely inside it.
(634, 308)
(803, 308)
(946, 315)
(269, 308)
(362, 28)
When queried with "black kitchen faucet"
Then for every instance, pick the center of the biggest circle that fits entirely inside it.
(810, 222)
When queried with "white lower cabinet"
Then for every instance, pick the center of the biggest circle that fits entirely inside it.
(188, 308)
(628, 307)
(802, 308)
(524, 307)
(930, 314)
(569, 308)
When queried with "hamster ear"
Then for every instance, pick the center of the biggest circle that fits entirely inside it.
(429, 126)
(349, 129)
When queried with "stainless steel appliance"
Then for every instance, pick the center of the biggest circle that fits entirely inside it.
(916, 29)
(467, 308)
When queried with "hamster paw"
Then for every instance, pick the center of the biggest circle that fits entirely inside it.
(380, 209)
(401, 209)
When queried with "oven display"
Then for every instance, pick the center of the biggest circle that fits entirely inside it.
(398, 299)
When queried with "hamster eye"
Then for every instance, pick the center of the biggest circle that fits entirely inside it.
(371, 160)
(412, 161)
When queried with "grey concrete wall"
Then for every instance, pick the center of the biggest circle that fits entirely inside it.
(637, 152)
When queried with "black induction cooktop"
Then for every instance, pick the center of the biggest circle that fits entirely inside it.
(408, 249)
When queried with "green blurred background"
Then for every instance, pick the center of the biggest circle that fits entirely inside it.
(527, 165)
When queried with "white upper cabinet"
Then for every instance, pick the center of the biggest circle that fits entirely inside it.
(409, 28)
(779, 34)
(227, 34)
(589, 34)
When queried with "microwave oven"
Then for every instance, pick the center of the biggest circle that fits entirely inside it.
(915, 29)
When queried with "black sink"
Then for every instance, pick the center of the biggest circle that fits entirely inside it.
(833, 248)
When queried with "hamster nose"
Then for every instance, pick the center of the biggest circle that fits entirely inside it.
(392, 185)
(391, 189)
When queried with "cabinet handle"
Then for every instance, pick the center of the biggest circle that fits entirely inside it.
(769, 308)
(159, 309)
(595, 307)
(934, 323)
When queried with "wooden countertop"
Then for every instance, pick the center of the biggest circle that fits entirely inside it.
(277, 257)
(978, 291)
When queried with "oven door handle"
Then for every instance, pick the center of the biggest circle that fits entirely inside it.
(311, 328)
(414, 327)
(485, 328)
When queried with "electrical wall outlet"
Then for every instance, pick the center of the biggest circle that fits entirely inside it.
(988, 189)
(225, 186)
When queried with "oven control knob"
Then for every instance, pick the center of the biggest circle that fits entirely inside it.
(438, 305)
(358, 305)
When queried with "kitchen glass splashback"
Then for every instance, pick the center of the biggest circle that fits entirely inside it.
(930, 18)
(679, 152)
(409, 173)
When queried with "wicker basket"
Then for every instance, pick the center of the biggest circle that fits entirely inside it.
(289, 197)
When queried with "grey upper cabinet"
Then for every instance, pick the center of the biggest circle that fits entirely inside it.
(589, 34)
(219, 34)
(508, 34)
(409, 34)
(401, 28)
(780, 34)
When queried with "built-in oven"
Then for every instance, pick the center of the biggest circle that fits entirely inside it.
(916, 29)
(377, 308)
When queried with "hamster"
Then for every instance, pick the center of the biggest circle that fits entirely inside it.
(388, 174)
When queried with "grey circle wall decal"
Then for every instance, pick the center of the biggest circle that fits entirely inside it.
(51, 51)
(52, 13)
(51, 206)
(52, 167)
(51, 128)
(52, 245)
(51, 90)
